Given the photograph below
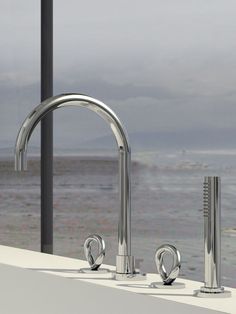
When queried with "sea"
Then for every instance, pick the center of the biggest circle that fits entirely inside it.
(166, 202)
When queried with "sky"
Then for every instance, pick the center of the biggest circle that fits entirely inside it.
(166, 67)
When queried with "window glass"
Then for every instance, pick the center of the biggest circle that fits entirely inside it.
(20, 92)
(167, 68)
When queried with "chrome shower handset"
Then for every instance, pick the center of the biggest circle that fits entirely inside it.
(212, 239)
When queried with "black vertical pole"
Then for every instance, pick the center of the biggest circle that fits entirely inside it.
(47, 127)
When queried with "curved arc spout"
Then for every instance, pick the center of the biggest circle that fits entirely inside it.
(125, 262)
(65, 100)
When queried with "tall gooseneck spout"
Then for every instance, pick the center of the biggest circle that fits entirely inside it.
(124, 260)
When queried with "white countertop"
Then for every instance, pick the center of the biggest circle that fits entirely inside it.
(24, 290)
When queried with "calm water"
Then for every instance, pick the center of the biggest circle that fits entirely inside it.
(166, 206)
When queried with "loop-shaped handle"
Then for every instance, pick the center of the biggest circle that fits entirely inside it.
(168, 279)
(94, 262)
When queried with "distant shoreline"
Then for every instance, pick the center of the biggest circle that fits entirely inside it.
(111, 154)
(62, 156)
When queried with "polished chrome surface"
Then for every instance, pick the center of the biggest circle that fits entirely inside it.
(212, 240)
(212, 234)
(168, 279)
(125, 262)
(94, 262)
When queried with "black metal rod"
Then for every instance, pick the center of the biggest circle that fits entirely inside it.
(47, 127)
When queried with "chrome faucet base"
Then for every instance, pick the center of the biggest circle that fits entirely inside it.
(212, 293)
(136, 276)
(125, 264)
(211, 290)
(125, 269)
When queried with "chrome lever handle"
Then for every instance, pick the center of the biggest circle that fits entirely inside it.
(168, 279)
(94, 262)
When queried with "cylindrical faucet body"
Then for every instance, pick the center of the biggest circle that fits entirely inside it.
(212, 235)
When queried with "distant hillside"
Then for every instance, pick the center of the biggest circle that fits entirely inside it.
(140, 141)
(202, 139)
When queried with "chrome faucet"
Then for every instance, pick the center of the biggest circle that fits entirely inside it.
(125, 268)
(212, 235)
(212, 240)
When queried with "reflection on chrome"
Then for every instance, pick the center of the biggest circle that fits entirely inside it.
(168, 279)
(94, 262)
(124, 261)
(212, 240)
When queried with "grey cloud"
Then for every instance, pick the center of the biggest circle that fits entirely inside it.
(151, 110)
(163, 66)
(110, 91)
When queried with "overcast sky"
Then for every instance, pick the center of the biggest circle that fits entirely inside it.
(163, 65)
